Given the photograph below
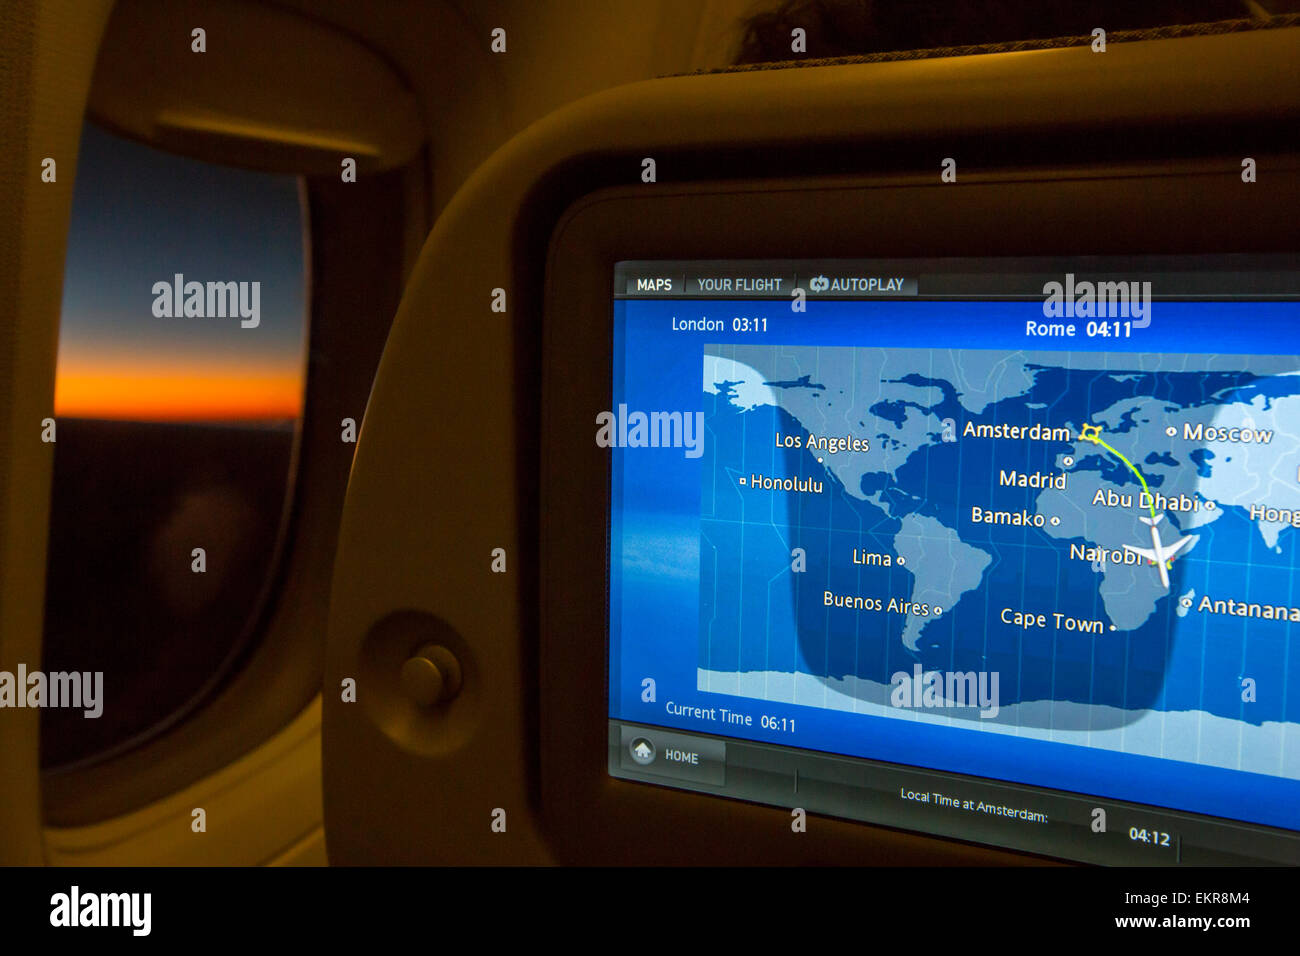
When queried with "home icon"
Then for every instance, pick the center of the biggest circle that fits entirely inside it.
(643, 751)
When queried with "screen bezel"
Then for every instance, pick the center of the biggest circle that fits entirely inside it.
(1165, 208)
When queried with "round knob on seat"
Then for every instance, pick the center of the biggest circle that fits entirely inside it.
(431, 675)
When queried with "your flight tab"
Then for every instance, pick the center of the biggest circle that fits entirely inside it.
(727, 285)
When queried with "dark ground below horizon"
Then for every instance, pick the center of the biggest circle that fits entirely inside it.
(130, 501)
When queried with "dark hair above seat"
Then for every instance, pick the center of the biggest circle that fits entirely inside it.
(837, 28)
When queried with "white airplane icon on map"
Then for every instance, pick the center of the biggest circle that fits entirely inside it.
(1161, 555)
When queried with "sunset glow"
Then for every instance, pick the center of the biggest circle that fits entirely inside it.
(184, 390)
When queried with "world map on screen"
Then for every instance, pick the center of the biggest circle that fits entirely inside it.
(1111, 537)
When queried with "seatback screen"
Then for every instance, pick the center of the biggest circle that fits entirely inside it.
(1001, 550)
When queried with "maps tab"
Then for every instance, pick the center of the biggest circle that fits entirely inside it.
(824, 285)
(655, 286)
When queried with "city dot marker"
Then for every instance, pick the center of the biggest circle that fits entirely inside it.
(1171, 431)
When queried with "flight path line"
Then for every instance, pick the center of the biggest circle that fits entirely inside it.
(1097, 440)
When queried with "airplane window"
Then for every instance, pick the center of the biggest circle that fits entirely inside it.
(177, 402)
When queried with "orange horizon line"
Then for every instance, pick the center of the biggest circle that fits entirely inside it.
(179, 411)
(111, 415)
(155, 391)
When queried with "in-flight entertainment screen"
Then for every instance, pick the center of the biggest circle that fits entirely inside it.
(1002, 550)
